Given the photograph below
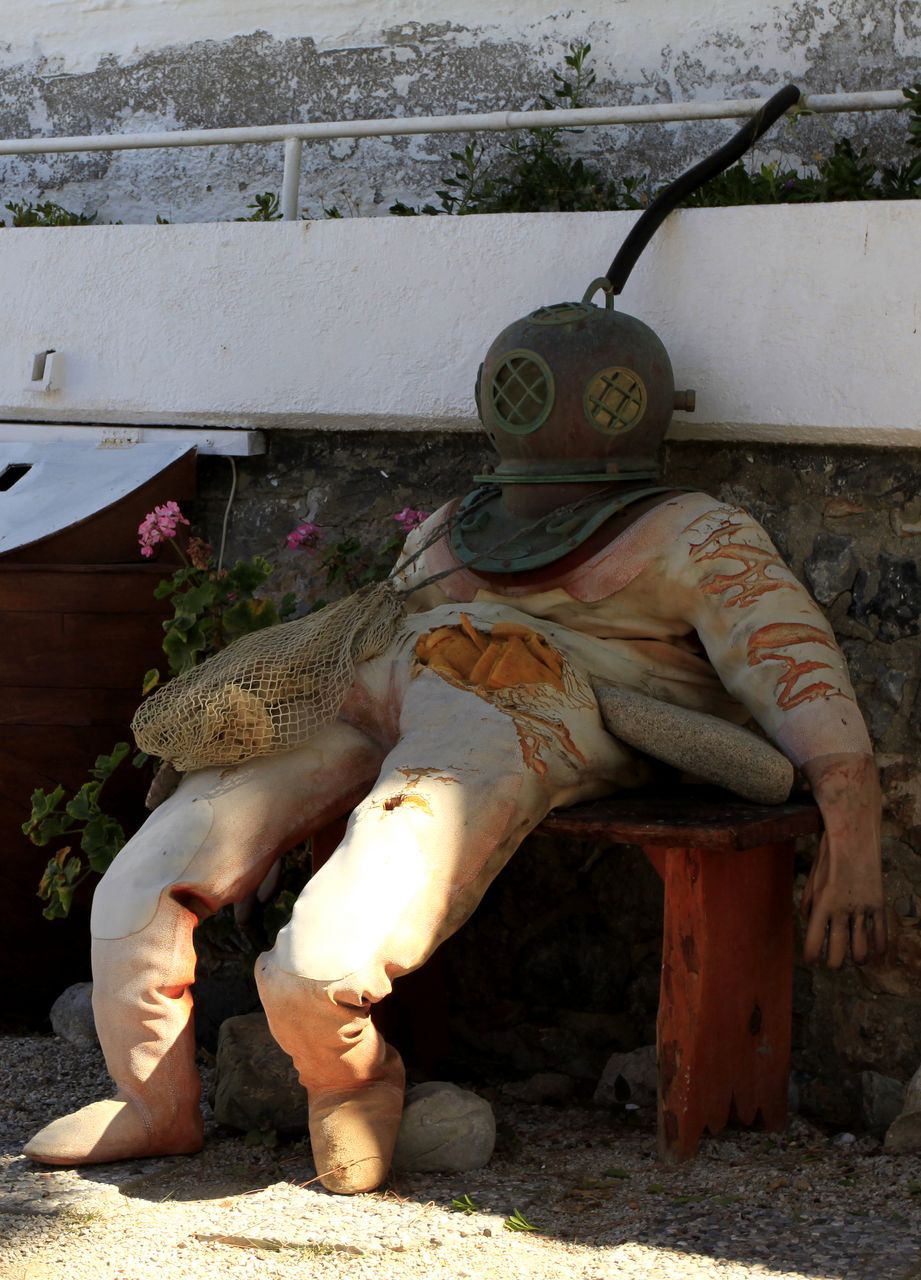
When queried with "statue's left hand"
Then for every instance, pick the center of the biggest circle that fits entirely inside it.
(843, 904)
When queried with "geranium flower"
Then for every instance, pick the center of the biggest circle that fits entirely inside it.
(305, 536)
(410, 518)
(159, 525)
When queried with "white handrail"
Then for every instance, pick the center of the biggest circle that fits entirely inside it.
(294, 135)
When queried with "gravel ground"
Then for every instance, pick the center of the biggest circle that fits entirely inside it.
(793, 1206)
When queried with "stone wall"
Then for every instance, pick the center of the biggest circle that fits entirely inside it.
(560, 964)
(144, 65)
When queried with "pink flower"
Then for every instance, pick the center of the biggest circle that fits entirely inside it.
(409, 518)
(305, 536)
(159, 525)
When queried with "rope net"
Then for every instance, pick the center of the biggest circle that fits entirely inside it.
(271, 690)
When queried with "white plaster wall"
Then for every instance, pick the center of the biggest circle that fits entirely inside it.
(791, 322)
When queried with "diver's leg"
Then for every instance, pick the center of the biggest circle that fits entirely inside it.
(209, 844)
(457, 794)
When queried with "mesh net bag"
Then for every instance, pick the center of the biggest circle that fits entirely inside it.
(271, 690)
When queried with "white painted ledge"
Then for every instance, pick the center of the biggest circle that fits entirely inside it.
(792, 323)
(232, 444)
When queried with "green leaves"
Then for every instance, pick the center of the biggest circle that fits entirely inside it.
(463, 1204)
(515, 1222)
(349, 564)
(518, 1222)
(150, 681)
(264, 208)
(62, 875)
(45, 214)
(105, 766)
(210, 609)
(100, 836)
(535, 172)
(46, 822)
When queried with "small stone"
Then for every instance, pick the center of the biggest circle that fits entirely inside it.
(256, 1086)
(403, 1243)
(721, 1148)
(881, 1101)
(841, 508)
(629, 1077)
(832, 566)
(904, 1134)
(904, 528)
(444, 1129)
(72, 1016)
(487, 1231)
(891, 686)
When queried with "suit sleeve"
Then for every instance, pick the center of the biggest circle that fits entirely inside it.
(765, 636)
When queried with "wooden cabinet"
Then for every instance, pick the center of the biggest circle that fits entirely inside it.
(79, 626)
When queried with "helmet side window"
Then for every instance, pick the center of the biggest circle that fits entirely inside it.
(615, 400)
(522, 392)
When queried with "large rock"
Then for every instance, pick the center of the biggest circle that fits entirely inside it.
(697, 743)
(904, 1134)
(629, 1077)
(256, 1085)
(72, 1016)
(445, 1129)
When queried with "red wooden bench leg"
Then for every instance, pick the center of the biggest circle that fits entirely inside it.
(725, 1005)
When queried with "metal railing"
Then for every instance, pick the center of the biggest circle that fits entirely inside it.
(295, 135)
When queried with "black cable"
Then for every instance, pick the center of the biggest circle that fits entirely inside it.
(648, 224)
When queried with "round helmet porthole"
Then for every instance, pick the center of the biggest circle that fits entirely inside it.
(615, 400)
(522, 392)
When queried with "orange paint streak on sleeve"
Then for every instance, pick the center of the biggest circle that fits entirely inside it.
(762, 647)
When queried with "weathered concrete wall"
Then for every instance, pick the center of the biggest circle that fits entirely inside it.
(566, 944)
(130, 65)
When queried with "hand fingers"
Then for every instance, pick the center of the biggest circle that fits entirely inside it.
(815, 937)
(860, 946)
(838, 938)
(805, 902)
(815, 881)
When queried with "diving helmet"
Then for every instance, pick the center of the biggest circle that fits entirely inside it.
(576, 394)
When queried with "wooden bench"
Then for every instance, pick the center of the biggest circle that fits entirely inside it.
(726, 991)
